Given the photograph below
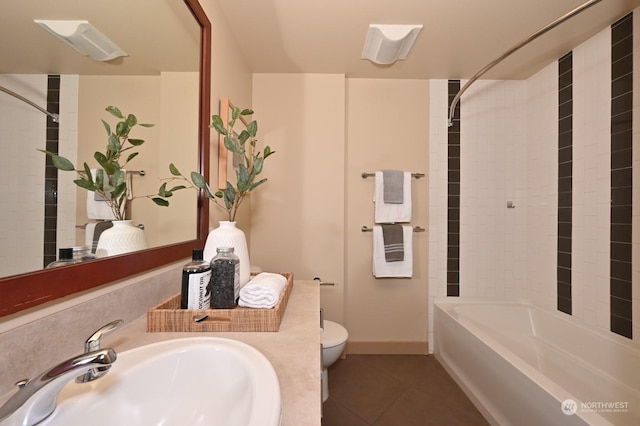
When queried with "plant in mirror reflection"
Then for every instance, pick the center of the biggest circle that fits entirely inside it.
(246, 172)
(109, 182)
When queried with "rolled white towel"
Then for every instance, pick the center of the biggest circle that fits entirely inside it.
(262, 291)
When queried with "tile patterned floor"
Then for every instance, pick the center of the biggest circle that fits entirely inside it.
(395, 390)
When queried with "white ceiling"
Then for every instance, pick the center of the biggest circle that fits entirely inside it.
(311, 36)
(159, 35)
(459, 36)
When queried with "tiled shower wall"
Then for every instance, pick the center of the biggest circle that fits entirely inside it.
(492, 163)
(22, 133)
(591, 183)
(68, 147)
(509, 152)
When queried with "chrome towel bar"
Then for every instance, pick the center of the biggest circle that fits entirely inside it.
(414, 175)
(365, 228)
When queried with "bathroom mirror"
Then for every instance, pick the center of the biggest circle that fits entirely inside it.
(19, 292)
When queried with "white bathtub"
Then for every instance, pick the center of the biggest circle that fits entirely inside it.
(524, 366)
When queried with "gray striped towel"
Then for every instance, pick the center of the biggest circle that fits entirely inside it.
(392, 236)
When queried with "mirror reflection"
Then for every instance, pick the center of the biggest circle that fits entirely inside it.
(158, 82)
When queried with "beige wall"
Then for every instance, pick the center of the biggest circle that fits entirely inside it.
(170, 102)
(297, 222)
(138, 95)
(326, 131)
(387, 129)
(231, 77)
(178, 145)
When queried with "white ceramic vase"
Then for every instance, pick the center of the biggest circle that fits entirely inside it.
(228, 235)
(122, 237)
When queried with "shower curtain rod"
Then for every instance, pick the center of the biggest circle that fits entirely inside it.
(55, 117)
(522, 43)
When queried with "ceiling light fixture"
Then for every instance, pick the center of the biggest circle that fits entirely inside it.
(386, 44)
(83, 37)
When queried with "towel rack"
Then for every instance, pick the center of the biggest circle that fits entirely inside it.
(414, 175)
(365, 228)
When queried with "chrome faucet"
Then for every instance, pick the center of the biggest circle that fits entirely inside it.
(36, 398)
(93, 344)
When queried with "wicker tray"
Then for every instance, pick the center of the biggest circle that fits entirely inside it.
(168, 316)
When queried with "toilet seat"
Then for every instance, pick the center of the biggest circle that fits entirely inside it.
(333, 334)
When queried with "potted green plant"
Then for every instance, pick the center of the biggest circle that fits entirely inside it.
(110, 182)
(231, 197)
(244, 145)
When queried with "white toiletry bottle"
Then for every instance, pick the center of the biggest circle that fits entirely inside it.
(195, 282)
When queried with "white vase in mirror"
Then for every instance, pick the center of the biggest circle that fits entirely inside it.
(122, 238)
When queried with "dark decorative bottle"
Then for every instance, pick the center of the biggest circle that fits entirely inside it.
(65, 257)
(225, 279)
(195, 283)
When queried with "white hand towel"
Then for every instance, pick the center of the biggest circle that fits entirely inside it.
(384, 269)
(99, 209)
(392, 213)
(262, 291)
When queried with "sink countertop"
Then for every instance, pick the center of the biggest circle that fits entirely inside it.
(294, 351)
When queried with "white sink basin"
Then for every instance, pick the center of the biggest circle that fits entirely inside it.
(191, 381)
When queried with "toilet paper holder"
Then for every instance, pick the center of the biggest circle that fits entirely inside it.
(322, 282)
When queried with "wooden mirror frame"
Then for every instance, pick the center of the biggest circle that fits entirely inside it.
(25, 291)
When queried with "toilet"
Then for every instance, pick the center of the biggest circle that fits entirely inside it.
(334, 339)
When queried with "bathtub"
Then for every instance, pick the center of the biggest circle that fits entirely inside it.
(524, 366)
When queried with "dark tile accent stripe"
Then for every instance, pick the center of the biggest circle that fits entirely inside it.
(453, 196)
(621, 175)
(51, 173)
(565, 181)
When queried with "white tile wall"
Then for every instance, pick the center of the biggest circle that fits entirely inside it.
(510, 152)
(68, 147)
(591, 180)
(542, 186)
(22, 133)
(493, 148)
(492, 249)
(21, 244)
